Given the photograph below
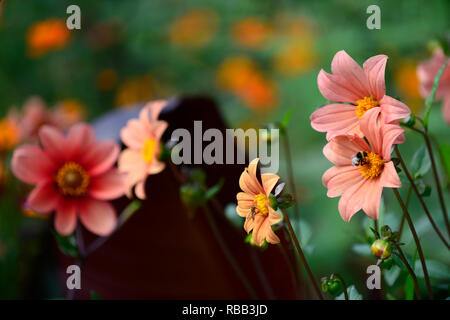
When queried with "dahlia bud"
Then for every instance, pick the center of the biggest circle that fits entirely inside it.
(381, 249)
(331, 285)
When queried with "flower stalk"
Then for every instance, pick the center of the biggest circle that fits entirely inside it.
(301, 254)
(402, 257)
(416, 240)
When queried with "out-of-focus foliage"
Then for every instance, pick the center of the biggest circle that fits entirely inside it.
(258, 59)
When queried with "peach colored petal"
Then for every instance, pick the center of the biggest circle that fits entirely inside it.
(243, 211)
(158, 129)
(370, 126)
(97, 216)
(108, 186)
(334, 88)
(351, 73)
(247, 184)
(31, 165)
(336, 118)
(274, 217)
(156, 108)
(352, 200)
(371, 204)
(390, 133)
(156, 167)
(249, 224)
(389, 177)
(393, 109)
(271, 237)
(333, 171)
(269, 181)
(66, 217)
(341, 149)
(259, 232)
(252, 170)
(53, 142)
(101, 157)
(242, 196)
(43, 198)
(374, 69)
(140, 190)
(134, 134)
(343, 180)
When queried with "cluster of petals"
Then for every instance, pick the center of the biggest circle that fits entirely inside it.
(74, 176)
(254, 204)
(142, 137)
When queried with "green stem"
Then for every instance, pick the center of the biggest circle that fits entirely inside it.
(413, 185)
(302, 256)
(290, 170)
(416, 240)
(401, 255)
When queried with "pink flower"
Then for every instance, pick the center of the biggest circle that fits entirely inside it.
(361, 170)
(74, 176)
(426, 71)
(354, 90)
(254, 204)
(143, 138)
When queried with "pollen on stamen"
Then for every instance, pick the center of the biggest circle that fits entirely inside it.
(365, 104)
(373, 166)
(261, 204)
(72, 180)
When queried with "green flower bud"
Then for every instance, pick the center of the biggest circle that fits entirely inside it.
(381, 249)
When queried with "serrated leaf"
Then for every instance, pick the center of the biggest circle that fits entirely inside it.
(353, 294)
(420, 163)
(67, 245)
(430, 99)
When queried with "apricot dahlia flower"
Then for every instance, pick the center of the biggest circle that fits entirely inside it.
(354, 91)
(426, 71)
(361, 170)
(142, 137)
(254, 204)
(74, 176)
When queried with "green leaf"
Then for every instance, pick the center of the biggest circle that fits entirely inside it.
(211, 192)
(67, 245)
(409, 288)
(286, 118)
(444, 151)
(126, 214)
(430, 99)
(95, 296)
(353, 294)
(420, 163)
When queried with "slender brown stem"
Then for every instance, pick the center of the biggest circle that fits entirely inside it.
(228, 255)
(401, 255)
(290, 170)
(302, 256)
(337, 275)
(436, 179)
(416, 240)
(402, 222)
(413, 185)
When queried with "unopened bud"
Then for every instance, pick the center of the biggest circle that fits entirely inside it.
(381, 249)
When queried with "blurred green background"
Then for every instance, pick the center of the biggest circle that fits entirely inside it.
(257, 59)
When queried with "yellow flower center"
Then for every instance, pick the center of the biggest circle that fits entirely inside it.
(149, 150)
(261, 203)
(364, 105)
(373, 166)
(72, 180)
